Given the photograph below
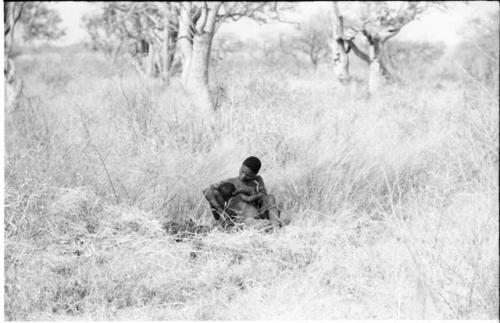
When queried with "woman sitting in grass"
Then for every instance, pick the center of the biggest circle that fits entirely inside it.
(243, 199)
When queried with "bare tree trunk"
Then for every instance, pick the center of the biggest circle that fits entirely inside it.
(185, 40)
(165, 64)
(197, 78)
(149, 60)
(166, 54)
(195, 41)
(376, 80)
(169, 42)
(379, 76)
(340, 58)
(13, 86)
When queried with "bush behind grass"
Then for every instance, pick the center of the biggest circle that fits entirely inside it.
(392, 199)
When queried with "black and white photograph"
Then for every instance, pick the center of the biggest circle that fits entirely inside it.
(250, 161)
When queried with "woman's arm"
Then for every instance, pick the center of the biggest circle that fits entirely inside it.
(250, 198)
(213, 196)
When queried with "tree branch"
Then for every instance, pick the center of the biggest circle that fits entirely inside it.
(202, 20)
(358, 52)
(212, 16)
(234, 13)
(278, 18)
(19, 13)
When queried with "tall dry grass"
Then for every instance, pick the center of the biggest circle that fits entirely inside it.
(393, 200)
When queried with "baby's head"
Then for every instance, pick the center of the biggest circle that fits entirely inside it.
(226, 189)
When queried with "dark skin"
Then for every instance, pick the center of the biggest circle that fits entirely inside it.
(232, 202)
(246, 175)
(249, 199)
(246, 193)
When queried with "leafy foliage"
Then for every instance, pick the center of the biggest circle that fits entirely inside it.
(40, 22)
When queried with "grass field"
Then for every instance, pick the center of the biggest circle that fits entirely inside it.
(393, 199)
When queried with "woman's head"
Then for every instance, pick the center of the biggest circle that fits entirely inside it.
(250, 168)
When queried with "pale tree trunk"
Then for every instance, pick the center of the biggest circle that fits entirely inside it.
(149, 60)
(185, 40)
(378, 77)
(13, 86)
(196, 81)
(166, 54)
(195, 41)
(169, 42)
(340, 58)
(157, 61)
